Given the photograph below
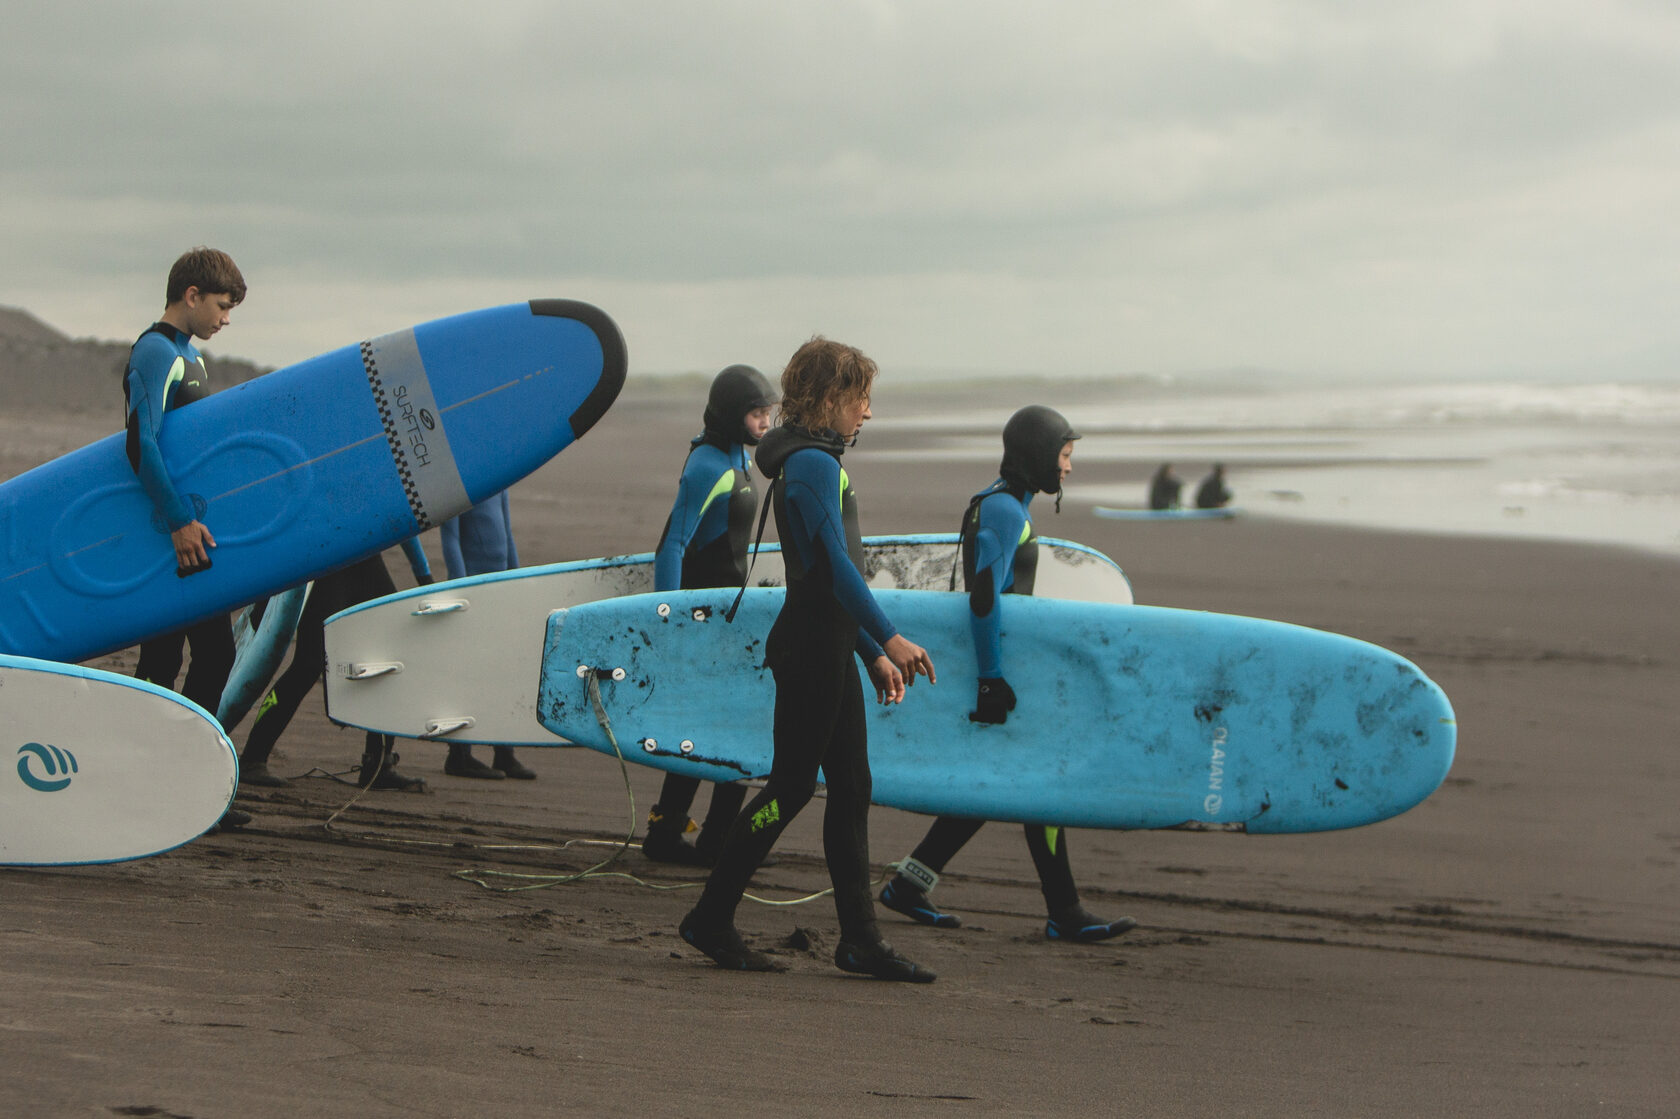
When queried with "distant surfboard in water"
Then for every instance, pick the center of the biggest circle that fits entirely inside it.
(1113, 514)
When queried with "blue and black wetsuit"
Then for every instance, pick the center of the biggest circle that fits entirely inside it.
(709, 530)
(479, 541)
(828, 616)
(704, 545)
(1000, 557)
(165, 372)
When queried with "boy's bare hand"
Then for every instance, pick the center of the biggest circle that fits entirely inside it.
(192, 545)
(888, 680)
(910, 659)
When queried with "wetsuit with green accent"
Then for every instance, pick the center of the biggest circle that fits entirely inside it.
(1000, 558)
(705, 545)
(165, 372)
(710, 527)
(828, 616)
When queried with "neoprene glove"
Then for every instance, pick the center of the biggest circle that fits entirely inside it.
(994, 701)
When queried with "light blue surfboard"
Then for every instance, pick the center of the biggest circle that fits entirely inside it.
(1124, 514)
(300, 472)
(1129, 716)
(100, 768)
(258, 651)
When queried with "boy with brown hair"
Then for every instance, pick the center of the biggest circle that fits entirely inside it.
(165, 371)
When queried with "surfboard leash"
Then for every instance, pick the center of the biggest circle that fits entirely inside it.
(545, 881)
(599, 870)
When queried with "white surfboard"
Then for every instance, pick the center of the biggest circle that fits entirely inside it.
(102, 768)
(460, 661)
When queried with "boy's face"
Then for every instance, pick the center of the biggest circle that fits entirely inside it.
(207, 313)
(757, 422)
(1064, 462)
(852, 415)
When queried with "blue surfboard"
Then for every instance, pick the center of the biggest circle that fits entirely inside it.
(1128, 716)
(258, 651)
(1224, 512)
(300, 472)
(100, 768)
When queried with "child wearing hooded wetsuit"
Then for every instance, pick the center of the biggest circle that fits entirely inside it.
(1000, 557)
(704, 545)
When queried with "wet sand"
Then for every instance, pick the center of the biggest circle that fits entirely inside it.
(1507, 948)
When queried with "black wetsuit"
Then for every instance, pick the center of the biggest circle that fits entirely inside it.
(1212, 494)
(1164, 488)
(827, 617)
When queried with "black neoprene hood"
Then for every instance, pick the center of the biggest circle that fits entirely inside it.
(1032, 448)
(736, 391)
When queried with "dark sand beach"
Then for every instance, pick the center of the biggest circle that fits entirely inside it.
(1511, 947)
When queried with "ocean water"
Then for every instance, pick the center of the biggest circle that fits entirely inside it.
(1580, 461)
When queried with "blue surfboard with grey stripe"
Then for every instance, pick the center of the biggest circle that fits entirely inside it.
(300, 472)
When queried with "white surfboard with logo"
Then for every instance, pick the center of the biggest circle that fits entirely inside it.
(101, 768)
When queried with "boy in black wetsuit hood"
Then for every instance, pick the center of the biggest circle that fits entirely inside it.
(1000, 558)
(705, 545)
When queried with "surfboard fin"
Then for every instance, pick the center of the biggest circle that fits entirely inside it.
(432, 608)
(372, 670)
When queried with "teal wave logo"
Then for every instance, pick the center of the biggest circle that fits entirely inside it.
(50, 759)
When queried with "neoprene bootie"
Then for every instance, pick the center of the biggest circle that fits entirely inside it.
(379, 773)
(903, 896)
(1080, 925)
(665, 842)
(877, 958)
(461, 763)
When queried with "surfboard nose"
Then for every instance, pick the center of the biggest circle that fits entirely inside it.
(614, 358)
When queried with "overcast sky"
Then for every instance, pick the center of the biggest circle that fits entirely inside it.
(1453, 188)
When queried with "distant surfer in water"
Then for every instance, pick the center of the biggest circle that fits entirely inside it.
(827, 617)
(165, 372)
(1000, 558)
(478, 542)
(705, 545)
(1164, 488)
(1213, 493)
